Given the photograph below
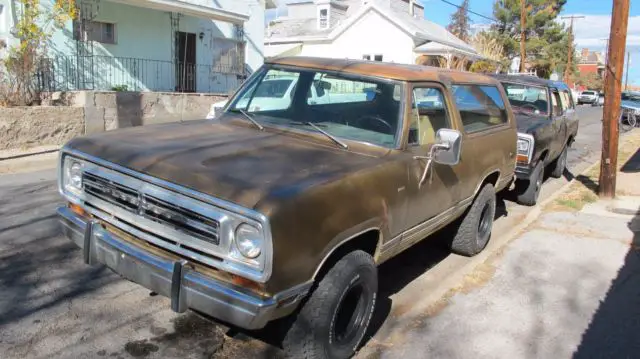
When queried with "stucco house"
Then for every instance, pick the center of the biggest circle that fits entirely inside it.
(376, 30)
(151, 45)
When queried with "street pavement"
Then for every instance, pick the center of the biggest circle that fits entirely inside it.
(54, 306)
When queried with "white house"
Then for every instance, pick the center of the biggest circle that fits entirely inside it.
(151, 45)
(377, 30)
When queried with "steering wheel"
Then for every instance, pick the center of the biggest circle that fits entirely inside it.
(530, 106)
(375, 118)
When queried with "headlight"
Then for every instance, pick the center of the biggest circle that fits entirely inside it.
(523, 146)
(249, 241)
(72, 175)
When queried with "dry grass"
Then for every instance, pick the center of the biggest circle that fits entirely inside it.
(584, 189)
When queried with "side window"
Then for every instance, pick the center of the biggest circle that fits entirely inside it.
(569, 99)
(481, 107)
(557, 103)
(428, 115)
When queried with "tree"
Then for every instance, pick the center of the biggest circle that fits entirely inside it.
(590, 80)
(460, 22)
(545, 38)
(36, 24)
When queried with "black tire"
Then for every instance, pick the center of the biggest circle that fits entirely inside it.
(559, 164)
(335, 318)
(528, 192)
(474, 230)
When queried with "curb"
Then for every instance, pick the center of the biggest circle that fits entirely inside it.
(23, 155)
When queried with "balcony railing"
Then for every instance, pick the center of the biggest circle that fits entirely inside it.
(69, 73)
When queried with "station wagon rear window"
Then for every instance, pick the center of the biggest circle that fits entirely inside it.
(345, 106)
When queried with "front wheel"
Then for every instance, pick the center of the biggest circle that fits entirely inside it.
(528, 192)
(475, 229)
(560, 164)
(335, 318)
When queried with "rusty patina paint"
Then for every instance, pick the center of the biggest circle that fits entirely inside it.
(315, 194)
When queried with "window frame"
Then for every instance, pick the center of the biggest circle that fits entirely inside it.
(89, 36)
(453, 123)
(491, 129)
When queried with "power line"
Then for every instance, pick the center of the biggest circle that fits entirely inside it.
(469, 10)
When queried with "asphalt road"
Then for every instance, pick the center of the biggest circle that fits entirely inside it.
(54, 306)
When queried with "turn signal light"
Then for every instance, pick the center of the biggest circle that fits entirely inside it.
(77, 209)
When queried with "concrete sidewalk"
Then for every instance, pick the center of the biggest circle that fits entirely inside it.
(569, 286)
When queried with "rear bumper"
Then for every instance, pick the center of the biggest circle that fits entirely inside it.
(187, 288)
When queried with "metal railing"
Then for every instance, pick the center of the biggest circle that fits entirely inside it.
(69, 73)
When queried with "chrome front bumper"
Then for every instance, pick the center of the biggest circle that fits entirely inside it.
(187, 288)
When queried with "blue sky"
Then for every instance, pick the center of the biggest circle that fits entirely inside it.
(588, 31)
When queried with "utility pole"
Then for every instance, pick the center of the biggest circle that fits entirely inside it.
(567, 71)
(523, 25)
(626, 80)
(612, 84)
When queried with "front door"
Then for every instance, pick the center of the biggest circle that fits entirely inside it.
(185, 61)
(431, 194)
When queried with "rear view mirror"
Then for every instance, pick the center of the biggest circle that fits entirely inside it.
(449, 144)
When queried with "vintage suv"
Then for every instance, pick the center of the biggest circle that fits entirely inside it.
(259, 215)
(547, 126)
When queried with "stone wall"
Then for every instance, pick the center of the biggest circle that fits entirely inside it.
(105, 111)
(24, 127)
(64, 115)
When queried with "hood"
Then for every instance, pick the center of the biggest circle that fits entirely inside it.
(630, 104)
(529, 123)
(238, 164)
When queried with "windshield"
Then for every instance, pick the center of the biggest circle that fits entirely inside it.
(527, 99)
(341, 106)
(630, 96)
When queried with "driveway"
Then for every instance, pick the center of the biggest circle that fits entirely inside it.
(54, 306)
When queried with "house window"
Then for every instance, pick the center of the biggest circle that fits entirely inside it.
(377, 57)
(103, 32)
(366, 57)
(324, 18)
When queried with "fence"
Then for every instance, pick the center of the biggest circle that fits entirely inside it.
(68, 73)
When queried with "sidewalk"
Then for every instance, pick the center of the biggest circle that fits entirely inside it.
(28, 160)
(567, 286)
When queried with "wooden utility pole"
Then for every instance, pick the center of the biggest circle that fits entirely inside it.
(613, 82)
(626, 78)
(567, 71)
(523, 29)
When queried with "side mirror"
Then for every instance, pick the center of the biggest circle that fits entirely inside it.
(447, 147)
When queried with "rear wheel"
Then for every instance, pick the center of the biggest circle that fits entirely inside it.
(334, 319)
(528, 192)
(475, 229)
(560, 164)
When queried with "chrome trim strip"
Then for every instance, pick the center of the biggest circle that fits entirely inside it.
(230, 264)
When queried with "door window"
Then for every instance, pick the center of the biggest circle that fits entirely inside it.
(481, 107)
(557, 103)
(428, 115)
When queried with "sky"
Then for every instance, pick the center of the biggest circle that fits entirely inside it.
(588, 32)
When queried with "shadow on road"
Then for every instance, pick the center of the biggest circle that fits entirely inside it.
(614, 331)
(633, 164)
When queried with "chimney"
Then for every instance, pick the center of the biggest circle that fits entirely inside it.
(411, 7)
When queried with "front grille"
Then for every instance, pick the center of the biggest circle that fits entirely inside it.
(157, 210)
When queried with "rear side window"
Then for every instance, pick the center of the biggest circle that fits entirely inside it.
(481, 107)
(567, 100)
(557, 104)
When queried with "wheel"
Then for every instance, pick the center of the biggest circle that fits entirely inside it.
(334, 319)
(627, 123)
(475, 228)
(529, 191)
(559, 164)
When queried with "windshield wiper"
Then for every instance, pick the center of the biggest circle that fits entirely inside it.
(332, 137)
(250, 118)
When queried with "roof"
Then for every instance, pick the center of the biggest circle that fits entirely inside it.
(401, 72)
(529, 80)
(299, 30)
(435, 48)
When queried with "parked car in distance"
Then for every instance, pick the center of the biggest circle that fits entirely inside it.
(588, 97)
(630, 105)
(547, 126)
(600, 101)
(288, 209)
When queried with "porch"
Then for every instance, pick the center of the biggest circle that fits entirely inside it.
(149, 45)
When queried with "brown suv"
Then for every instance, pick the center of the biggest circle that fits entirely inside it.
(287, 202)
